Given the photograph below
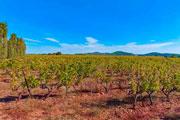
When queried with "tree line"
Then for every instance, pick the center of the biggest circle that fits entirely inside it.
(13, 47)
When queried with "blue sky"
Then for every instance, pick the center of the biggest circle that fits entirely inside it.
(80, 26)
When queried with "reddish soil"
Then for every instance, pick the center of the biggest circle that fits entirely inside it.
(84, 106)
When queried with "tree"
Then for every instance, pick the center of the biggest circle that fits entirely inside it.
(12, 48)
(21, 47)
(3, 30)
(3, 40)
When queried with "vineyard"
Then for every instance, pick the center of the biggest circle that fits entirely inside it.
(142, 78)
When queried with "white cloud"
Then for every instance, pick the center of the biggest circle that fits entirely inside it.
(92, 45)
(31, 40)
(91, 40)
(149, 46)
(52, 40)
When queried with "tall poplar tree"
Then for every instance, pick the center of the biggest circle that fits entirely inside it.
(3, 40)
(10, 48)
(21, 47)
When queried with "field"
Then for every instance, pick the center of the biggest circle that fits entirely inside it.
(80, 87)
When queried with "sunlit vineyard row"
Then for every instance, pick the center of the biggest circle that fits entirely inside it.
(143, 75)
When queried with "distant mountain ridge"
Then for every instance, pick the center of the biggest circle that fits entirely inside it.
(162, 54)
(122, 53)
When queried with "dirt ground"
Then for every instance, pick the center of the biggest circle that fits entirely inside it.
(84, 106)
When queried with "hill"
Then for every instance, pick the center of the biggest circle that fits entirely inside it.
(117, 53)
(162, 54)
(122, 53)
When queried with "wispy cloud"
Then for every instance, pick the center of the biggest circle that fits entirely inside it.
(52, 40)
(91, 40)
(31, 40)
